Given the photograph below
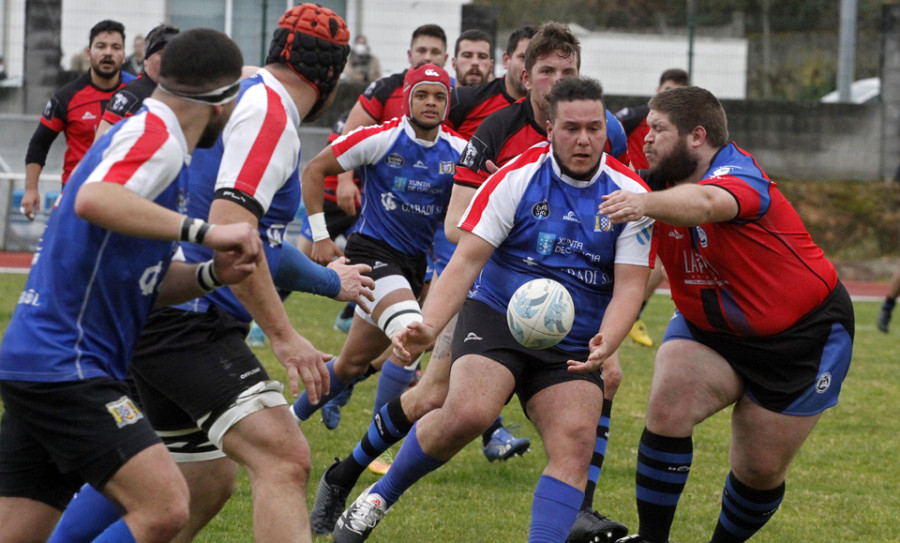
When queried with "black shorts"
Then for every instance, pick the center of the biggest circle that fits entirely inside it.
(483, 331)
(798, 371)
(189, 365)
(386, 260)
(54, 437)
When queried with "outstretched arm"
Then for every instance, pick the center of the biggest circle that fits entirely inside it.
(683, 205)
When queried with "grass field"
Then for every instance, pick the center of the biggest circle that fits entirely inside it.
(843, 486)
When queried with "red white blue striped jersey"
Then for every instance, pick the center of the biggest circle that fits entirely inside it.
(90, 290)
(545, 224)
(406, 181)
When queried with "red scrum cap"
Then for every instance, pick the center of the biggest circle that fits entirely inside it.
(314, 43)
(424, 73)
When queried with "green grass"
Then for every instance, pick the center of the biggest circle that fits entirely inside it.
(842, 486)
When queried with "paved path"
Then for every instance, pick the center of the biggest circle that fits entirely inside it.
(859, 290)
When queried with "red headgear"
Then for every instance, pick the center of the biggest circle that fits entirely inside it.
(424, 73)
(313, 42)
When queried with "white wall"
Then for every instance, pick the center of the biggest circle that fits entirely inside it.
(630, 64)
(388, 26)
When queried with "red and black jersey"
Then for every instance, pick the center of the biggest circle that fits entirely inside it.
(76, 110)
(502, 136)
(383, 99)
(469, 106)
(127, 101)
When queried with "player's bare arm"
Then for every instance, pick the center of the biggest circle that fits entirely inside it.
(349, 196)
(623, 308)
(459, 202)
(257, 293)
(683, 205)
(445, 298)
(312, 181)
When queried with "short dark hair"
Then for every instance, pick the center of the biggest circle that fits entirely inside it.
(433, 30)
(522, 33)
(690, 107)
(106, 25)
(675, 75)
(474, 34)
(201, 57)
(572, 89)
(552, 38)
(158, 37)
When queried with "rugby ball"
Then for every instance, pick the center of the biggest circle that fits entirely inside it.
(540, 313)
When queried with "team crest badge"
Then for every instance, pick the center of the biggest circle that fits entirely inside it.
(448, 168)
(602, 224)
(124, 411)
(541, 210)
(545, 243)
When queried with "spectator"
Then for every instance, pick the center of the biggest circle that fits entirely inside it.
(362, 66)
(134, 63)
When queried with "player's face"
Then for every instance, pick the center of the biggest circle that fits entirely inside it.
(578, 135)
(473, 63)
(427, 49)
(545, 72)
(107, 53)
(428, 104)
(515, 65)
(666, 151)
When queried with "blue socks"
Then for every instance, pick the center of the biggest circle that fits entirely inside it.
(87, 515)
(303, 409)
(662, 471)
(117, 533)
(553, 510)
(410, 465)
(392, 382)
(744, 510)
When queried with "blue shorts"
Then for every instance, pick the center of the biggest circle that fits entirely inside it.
(796, 372)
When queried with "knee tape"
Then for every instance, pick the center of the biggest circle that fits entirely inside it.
(397, 316)
(258, 397)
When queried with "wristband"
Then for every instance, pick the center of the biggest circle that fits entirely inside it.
(206, 277)
(194, 230)
(317, 226)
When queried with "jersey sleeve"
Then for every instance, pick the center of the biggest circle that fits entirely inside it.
(144, 158)
(752, 194)
(491, 213)
(54, 115)
(260, 149)
(365, 145)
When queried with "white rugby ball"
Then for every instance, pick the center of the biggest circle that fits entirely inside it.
(540, 313)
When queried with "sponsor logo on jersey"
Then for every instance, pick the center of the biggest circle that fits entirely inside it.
(602, 224)
(571, 217)
(676, 234)
(470, 154)
(388, 201)
(88, 116)
(700, 237)
(529, 261)
(545, 243)
(725, 170)
(472, 336)
(400, 183)
(124, 411)
(541, 210)
(48, 109)
(420, 164)
(394, 160)
(379, 264)
(448, 168)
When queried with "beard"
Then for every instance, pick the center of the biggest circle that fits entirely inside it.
(676, 167)
(425, 126)
(584, 176)
(212, 132)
